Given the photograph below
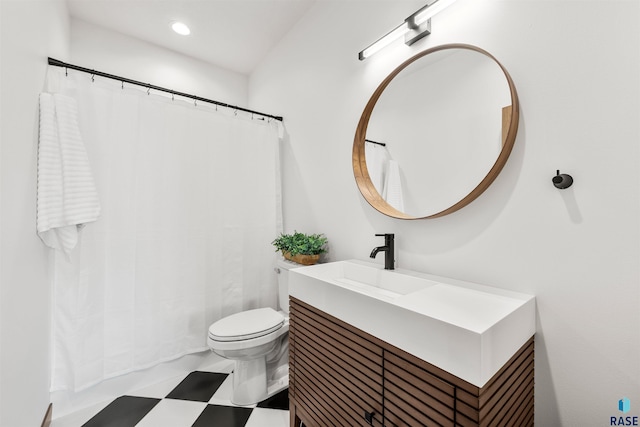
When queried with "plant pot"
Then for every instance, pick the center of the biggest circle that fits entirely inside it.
(302, 259)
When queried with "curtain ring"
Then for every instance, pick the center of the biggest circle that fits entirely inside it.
(122, 84)
(92, 77)
(195, 103)
(66, 72)
(148, 89)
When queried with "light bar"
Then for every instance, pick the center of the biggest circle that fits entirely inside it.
(415, 27)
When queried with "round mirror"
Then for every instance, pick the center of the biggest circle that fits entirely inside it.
(435, 133)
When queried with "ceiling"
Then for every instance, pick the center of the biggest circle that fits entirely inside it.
(232, 34)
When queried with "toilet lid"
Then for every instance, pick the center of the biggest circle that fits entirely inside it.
(246, 325)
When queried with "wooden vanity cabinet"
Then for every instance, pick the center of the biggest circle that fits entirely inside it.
(342, 376)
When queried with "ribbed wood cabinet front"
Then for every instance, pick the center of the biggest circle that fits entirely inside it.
(342, 376)
(337, 373)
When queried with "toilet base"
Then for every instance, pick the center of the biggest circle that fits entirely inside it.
(250, 385)
(249, 381)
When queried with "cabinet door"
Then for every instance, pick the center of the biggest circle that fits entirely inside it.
(414, 397)
(338, 372)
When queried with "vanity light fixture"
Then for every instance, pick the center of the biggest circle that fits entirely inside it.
(180, 28)
(415, 27)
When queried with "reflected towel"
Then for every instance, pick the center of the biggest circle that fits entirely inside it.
(393, 187)
(67, 197)
(377, 158)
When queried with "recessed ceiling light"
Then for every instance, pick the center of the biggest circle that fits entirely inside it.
(180, 28)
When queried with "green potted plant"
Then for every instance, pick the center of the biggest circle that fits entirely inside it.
(301, 248)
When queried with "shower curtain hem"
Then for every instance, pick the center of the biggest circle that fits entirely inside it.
(128, 371)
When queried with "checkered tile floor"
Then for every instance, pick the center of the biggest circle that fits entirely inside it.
(200, 399)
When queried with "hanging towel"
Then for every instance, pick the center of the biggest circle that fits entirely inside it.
(393, 187)
(67, 196)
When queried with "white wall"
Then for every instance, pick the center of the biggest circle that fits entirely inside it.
(114, 53)
(576, 66)
(31, 31)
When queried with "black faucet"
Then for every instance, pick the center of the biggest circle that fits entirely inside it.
(388, 250)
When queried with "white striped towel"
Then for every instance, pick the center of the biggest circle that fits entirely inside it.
(393, 187)
(67, 196)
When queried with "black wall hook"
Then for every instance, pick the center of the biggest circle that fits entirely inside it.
(562, 181)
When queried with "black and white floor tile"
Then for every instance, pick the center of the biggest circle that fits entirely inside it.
(200, 399)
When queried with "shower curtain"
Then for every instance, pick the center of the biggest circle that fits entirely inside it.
(190, 204)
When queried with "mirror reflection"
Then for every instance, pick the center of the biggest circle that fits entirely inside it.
(437, 131)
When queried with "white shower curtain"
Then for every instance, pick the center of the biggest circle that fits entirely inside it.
(190, 204)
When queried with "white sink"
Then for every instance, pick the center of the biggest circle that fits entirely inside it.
(368, 279)
(467, 329)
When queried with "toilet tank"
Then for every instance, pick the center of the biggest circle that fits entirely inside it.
(282, 269)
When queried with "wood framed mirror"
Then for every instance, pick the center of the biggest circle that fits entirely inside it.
(435, 133)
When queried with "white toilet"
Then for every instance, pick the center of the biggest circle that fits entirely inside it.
(258, 341)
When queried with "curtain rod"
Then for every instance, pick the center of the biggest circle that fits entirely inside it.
(58, 63)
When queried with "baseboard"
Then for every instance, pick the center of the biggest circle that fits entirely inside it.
(46, 422)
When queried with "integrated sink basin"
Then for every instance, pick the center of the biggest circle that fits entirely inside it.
(369, 279)
(467, 329)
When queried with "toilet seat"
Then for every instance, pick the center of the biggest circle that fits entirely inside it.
(246, 325)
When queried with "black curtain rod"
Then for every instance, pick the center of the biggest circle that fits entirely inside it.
(375, 142)
(58, 63)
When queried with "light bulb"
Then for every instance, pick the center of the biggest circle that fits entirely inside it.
(384, 41)
(431, 11)
(180, 28)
